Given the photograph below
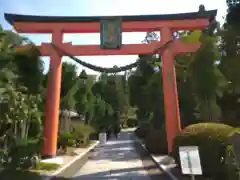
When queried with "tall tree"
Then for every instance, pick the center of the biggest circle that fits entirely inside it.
(24, 62)
(138, 82)
(84, 98)
(204, 80)
(69, 80)
(233, 12)
(229, 64)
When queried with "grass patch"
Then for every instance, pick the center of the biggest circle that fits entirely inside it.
(47, 166)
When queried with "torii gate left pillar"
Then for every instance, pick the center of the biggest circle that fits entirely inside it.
(50, 130)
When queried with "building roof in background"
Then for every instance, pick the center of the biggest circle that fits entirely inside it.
(69, 113)
(92, 77)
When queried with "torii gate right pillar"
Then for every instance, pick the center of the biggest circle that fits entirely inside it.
(171, 105)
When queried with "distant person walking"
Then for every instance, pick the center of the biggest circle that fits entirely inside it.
(108, 133)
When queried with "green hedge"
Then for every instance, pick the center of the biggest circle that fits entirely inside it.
(65, 139)
(212, 140)
(21, 153)
(156, 142)
(131, 122)
(80, 137)
(232, 168)
(82, 134)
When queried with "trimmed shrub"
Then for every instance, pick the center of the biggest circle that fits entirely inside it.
(82, 134)
(131, 122)
(64, 140)
(233, 171)
(70, 142)
(212, 140)
(156, 142)
(22, 152)
(124, 126)
(83, 130)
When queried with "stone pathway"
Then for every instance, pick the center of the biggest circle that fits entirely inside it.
(116, 160)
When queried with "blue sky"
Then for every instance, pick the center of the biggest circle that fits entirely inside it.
(101, 8)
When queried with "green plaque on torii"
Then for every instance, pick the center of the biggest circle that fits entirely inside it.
(111, 32)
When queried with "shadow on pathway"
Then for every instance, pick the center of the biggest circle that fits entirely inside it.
(118, 160)
(121, 159)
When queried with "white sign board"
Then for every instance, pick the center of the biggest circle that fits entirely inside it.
(190, 160)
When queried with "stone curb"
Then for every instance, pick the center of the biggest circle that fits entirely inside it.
(71, 168)
(160, 165)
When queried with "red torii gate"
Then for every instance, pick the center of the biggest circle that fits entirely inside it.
(57, 26)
